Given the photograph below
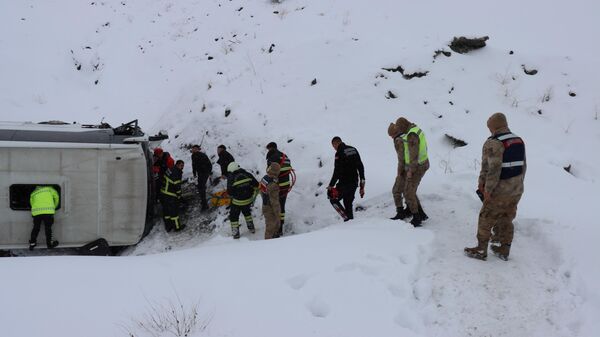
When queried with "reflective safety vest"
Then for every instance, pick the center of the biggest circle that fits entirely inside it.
(284, 173)
(513, 158)
(172, 183)
(422, 145)
(242, 188)
(44, 200)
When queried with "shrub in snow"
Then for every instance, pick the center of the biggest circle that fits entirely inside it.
(463, 45)
(168, 319)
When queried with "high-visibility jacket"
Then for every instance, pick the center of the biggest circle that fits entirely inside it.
(242, 187)
(44, 200)
(172, 183)
(422, 145)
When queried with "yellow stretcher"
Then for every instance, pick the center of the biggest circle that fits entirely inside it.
(220, 198)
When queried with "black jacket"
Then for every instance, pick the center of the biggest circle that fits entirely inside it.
(241, 185)
(201, 165)
(224, 159)
(171, 186)
(348, 167)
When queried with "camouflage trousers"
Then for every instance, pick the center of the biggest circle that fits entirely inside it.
(498, 214)
(272, 221)
(412, 184)
(398, 189)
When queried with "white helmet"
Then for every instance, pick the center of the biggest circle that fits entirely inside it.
(232, 167)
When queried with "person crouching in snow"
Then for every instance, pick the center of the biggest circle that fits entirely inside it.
(269, 191)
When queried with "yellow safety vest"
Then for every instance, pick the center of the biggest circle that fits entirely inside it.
(422, 145)
(43, 200)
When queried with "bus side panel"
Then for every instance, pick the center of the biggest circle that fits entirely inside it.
(124, 201)
(76, 220)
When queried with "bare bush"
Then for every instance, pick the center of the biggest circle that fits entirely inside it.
(171, 318)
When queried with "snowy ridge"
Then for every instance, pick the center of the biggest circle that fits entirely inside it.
(181, 65)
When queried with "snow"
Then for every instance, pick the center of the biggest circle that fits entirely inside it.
(371, 277)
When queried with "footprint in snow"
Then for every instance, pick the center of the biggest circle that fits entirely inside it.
(318, 308)
(298, 282)
(365, 269)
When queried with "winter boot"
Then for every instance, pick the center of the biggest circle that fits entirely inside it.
(416, 220)
(235, 231)
(280, 233)
(422, 213)
(52, 244)
(501, 251)
(401, 213)
(479, 252)
(251, 228)
(32, 244)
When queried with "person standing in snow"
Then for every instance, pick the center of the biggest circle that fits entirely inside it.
(171, 197)
(202, 170)
(43, 200)
(276, 156)
(348, 168)
(400, 183)
(162, 161)
(416, 163)
(225, 158)
(270, 193)
(503, 167)
(242, 188)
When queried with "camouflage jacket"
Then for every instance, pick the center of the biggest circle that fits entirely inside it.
(491, 167)
(399, 146)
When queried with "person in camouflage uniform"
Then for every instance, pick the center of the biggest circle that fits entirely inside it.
(400, 182)
(503, 167)
(416, 163)
(269, 191)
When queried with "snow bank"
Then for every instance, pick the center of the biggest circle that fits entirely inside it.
(348, 280)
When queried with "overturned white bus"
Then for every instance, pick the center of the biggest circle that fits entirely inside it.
(103, 176)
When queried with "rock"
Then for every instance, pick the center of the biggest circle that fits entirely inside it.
(441, 52)
(463, 45)
(455, 141)
(400, 70)
(529, 71)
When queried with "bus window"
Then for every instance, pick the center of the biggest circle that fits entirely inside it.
(20, 193)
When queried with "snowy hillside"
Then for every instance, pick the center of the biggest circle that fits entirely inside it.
(244, 73)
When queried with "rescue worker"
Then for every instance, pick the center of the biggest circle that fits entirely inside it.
(171, 197)
(348, 168)
(416, 163)
(202, 170)
(276, 156)
(225, 158)
(161, 162)
(269, 188)
(241, 187)
(43, 200)
(400, 182)
(503, 167)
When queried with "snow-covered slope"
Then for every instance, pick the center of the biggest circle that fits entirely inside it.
(180, 65)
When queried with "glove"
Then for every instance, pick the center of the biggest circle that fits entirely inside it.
(362, 189)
